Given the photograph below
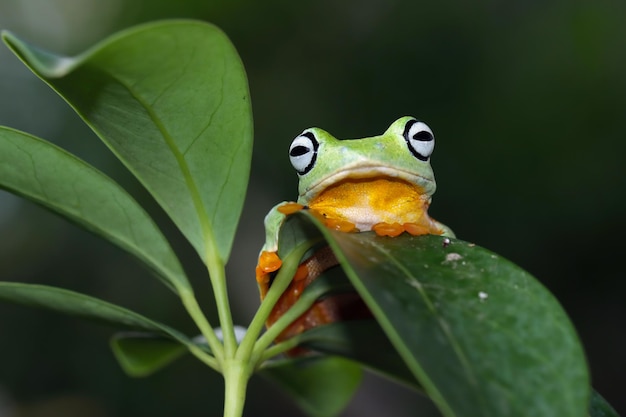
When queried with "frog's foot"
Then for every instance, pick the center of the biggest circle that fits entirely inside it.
(388, 229)
(268, 263)
(417, 229)
(290, 208)
(396, 229)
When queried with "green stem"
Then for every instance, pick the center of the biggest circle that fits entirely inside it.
(217, 274)
(236, 377)
(272, 351)
(191, 304)
(204, 357)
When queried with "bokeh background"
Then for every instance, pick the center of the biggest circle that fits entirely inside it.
(527, 100)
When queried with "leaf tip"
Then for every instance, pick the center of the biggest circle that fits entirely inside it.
(7, 37)
(41, 62)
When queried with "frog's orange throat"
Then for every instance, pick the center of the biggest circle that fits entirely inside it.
(388, 206)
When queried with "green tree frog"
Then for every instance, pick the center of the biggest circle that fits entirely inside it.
(381, 183)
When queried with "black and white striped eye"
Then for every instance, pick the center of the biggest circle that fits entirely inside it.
(303, 152)
(420, 139)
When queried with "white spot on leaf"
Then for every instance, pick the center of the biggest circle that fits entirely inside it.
(482, 295)
(451, 257)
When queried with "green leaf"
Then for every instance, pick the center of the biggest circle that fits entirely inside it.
(47, 175)
(171, 100)
(322, 386)
(142, 354)
(80, 305)
(481, 335)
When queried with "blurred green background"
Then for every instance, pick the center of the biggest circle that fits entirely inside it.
(527, 100)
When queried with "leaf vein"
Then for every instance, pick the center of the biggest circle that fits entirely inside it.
(201, 212)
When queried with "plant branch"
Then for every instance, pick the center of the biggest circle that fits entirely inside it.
(204, 357)
(236, 377)
(192, 307)
(277, 349)
(217, 274)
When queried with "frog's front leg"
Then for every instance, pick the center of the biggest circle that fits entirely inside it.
(268, 258)
(446, 231)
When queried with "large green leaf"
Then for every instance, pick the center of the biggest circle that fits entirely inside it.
(480, 335)
(171, 100)
(47, 175)
(80, 305)
(322, 386)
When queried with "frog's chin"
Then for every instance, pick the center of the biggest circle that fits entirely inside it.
(369, 172)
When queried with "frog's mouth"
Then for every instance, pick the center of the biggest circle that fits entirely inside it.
(372, 172)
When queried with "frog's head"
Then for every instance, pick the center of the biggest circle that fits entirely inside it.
(402, 152)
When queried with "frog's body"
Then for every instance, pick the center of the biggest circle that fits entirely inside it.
(382, 183)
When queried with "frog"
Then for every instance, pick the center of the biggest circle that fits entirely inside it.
(382, 184)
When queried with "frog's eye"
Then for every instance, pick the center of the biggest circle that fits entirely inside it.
(419, 138)
(303, 152)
